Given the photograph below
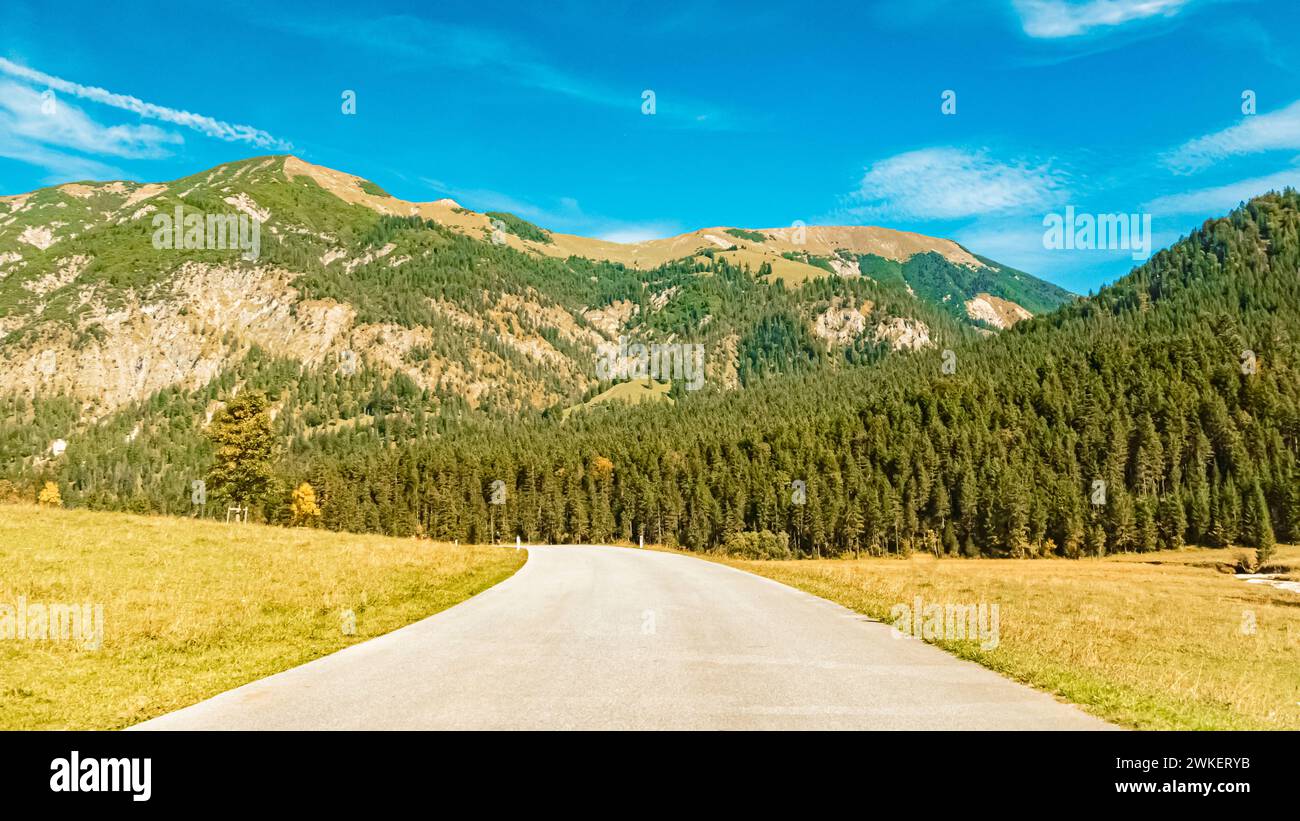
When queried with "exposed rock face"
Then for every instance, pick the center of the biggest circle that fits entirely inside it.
(659, 300)
(246, 205)
(186, 332)
(846, 268)
(612, 320)
(722, 365)
(176, 335)
(839, 324)
(69, 270)
(903, 334)
(39, 237)
(998, 312)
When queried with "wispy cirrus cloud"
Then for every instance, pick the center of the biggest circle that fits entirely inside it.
(1055, 19)
(62, 167)
(1018, 242)
(56, 135)
(952, 183)
(499, 58)
(1221, 198)
(1256, 133)
(198, 122)
(26, 114)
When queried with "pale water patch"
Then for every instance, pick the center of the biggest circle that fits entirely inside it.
(1270, 579)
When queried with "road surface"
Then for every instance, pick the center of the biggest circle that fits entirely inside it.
(618, 638)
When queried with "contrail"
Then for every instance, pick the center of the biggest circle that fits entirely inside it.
(198, 122)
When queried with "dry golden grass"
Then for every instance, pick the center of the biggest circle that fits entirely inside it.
(633, 392)
(193, 608)
(1151, 646)
(813, 239)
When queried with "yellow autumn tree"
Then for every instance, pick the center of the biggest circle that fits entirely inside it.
(50, 496)
(602, 468)
(304, 507)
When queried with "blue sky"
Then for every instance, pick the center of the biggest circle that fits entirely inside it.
(764, 113)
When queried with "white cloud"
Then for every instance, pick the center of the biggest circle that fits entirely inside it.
(55, 136)
(1018, 242)
(1274, 131)
(198, 122)
(1222, 198)
(25, 114)
(62, 167)
(951, 183)
(1052, 19)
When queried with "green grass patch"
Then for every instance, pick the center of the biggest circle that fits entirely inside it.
(752, 236)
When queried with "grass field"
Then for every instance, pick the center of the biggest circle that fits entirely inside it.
(1153, 641)
(193, 608)
(1174, 645)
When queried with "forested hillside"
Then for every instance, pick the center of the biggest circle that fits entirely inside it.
(1177, 387)
(372, 322)
(409, 364)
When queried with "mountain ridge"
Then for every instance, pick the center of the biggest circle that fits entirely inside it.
(894, 244)
(350, 269)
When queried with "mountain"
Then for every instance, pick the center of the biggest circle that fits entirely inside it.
(481, 312)
(1163, 411)
(371, 319)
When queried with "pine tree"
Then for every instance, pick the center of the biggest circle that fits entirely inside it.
(1261, 526)
(246, 451)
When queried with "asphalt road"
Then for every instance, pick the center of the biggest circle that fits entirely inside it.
(616, 638)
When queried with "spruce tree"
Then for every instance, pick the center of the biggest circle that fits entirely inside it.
(245, 449)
